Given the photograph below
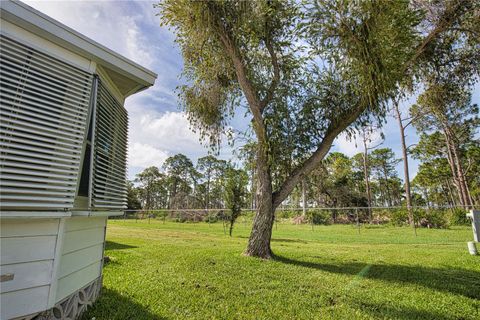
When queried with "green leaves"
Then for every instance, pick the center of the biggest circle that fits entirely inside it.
(368, 43)
(305, 71)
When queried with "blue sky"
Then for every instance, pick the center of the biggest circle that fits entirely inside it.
(158, 129)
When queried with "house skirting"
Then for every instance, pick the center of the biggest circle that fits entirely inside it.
(72, 306)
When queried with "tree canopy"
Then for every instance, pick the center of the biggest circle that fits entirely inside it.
(306, 71)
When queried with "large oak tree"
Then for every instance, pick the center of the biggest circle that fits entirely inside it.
(305, 71)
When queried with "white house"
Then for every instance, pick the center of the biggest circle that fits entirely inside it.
(63, 140)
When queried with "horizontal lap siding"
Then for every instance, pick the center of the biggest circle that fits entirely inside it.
(77, 280)
(27, 275)
(71, 262)
(26, 301)
(44, 105)
(29, 227)
(27, 250)
(27, 240)
(82, 254)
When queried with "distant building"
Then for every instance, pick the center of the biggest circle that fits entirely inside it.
(63, 144)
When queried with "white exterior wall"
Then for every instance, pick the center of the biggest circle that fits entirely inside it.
(27, 253)
(82, 254)
(49, 260)
(49, 255)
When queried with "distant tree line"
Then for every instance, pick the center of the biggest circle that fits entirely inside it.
(448, 151)
(179, 184)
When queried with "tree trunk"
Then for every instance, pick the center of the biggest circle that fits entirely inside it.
(408, 193)
(207, 202)
(388, 192)
(453, 169)
(259, 241)
(461, 177)
(450, 192)
(366, 173)
(173, 194)
(427, 200)
(253, 191)
(457, 169)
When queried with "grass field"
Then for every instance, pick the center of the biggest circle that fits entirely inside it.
(194, 271)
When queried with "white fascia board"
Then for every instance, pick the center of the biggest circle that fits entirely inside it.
(42, 25)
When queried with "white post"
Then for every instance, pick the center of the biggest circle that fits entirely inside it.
(474, 215)
(304, 199)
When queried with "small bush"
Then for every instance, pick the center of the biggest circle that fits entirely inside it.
(458, 217)
(160, 214)
(433, 218)
(381, 216)
(211, 218)
(319, 217)
(398, 217)
(180, 218)
(286, 214)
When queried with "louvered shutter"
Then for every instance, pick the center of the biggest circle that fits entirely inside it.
(110, 152)
(43, 112)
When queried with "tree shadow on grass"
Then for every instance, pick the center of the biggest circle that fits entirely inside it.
(287, 240)
(110, 245)
(458, 281)
(400, 313)
(111, 305)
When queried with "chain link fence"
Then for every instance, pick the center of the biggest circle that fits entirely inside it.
(424, 217)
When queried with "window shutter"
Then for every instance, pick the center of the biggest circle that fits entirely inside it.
(110, 152)
(43, 110)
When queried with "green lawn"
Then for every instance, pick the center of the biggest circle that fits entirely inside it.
(194, 271)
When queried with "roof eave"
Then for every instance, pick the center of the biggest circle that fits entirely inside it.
(40, 24)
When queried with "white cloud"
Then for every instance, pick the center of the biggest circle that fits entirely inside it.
(144, 155)
(166, 131)
(135, 44)
(106, 22)
(354, 145)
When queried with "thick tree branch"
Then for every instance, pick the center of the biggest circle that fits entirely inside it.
(253, 101)
(312, 162)
(449, 16)
(241, 71)
(416, 117)
(276, 75)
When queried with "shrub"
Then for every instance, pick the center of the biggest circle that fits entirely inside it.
(458, 217)
(180, 218)
(160, 214)
(433, 218)
(187, 216)
(211, 218)
(286, 214)
(398, 217)
(380, 216)
(319, 217)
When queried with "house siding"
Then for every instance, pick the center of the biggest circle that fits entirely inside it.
(82, 254)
